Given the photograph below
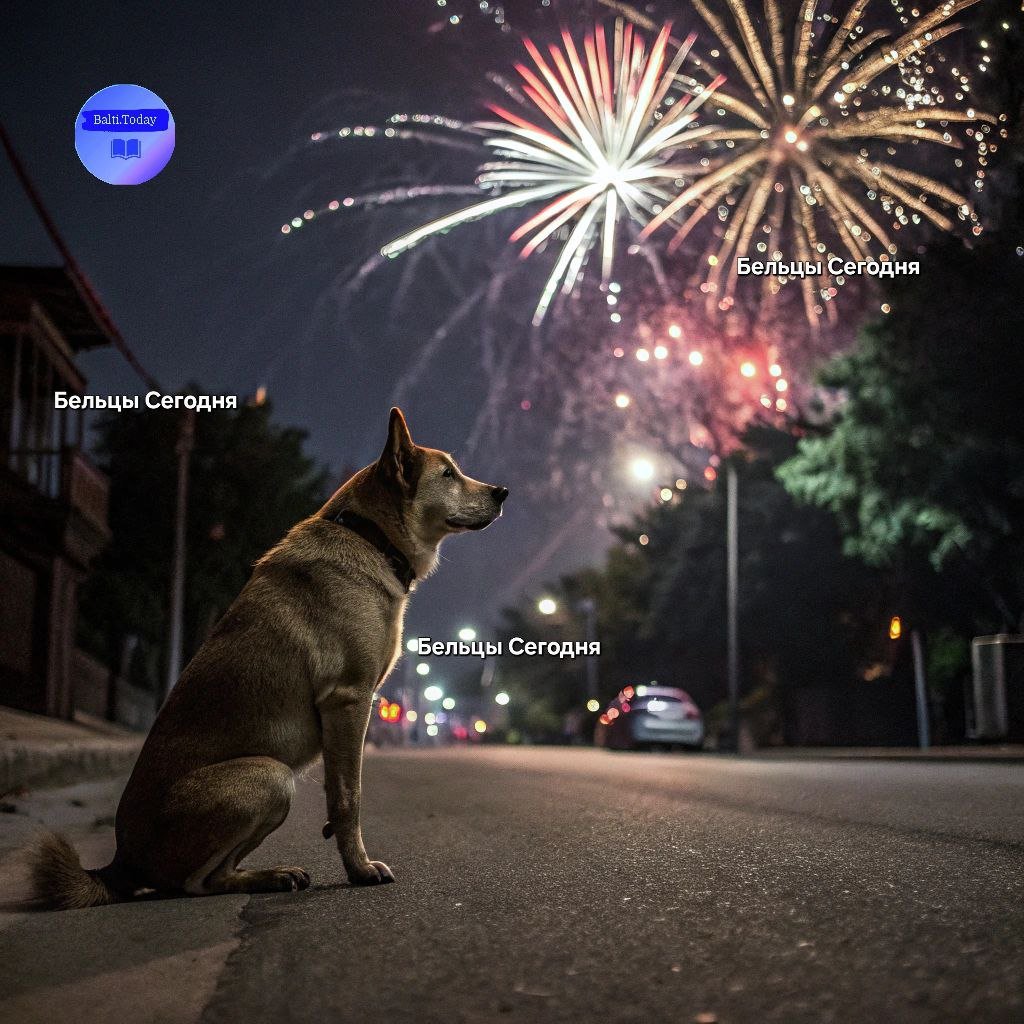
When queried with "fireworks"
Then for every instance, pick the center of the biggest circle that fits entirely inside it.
(817, 140)
(598, 146)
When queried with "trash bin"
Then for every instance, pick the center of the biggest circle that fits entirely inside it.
(998, 688)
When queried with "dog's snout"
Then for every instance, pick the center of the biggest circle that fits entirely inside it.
(500, 494)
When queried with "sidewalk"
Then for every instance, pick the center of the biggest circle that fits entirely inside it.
(39, 752)
(1006, 752)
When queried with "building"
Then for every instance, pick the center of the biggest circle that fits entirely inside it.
(53, 501)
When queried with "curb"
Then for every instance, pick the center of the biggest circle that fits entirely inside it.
(36, 765)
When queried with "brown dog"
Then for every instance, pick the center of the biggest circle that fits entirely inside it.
(288, 673)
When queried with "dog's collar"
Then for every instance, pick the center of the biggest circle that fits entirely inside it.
(373, 534)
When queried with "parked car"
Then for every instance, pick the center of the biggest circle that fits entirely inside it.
(650, 717)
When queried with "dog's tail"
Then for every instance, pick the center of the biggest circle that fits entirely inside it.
(59, 880)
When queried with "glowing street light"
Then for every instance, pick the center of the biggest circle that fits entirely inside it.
(480, 725)
(501, 698)
(467, 633)
(642, 469)
(448, 703)
(411, 645)
(593, 706)
(422, 669)
(411, 716)
(433, 693)
(547, 606)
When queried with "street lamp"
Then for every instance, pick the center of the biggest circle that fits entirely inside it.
(433, 693)
(547, 606)
(467, 633)
(642, 469)
(422, 669)
(501, 698)
(448, 703)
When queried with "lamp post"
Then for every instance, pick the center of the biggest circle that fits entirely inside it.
(183, 450)
(589, 608)
(732, 601)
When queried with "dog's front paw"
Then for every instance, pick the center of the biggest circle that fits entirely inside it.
(373, 872)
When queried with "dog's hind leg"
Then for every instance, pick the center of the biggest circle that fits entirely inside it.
(215, 817)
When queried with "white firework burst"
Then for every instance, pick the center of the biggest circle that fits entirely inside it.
(596, 144)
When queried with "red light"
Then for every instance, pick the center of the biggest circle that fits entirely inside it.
(605, 720)
(613, 713)
(628, 692)
(383, 709)
(625, 708)
(394, 712)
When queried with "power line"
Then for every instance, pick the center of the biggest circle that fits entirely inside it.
(82, 285)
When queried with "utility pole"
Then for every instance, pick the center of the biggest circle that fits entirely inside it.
(183, 451)
(732, 600)
(920, 691)
(589, 608)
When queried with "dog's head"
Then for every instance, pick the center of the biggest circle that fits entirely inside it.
(437, 498)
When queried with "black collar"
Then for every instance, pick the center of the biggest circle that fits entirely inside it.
(373, 534)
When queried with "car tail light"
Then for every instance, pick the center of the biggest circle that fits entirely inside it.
(691, 713)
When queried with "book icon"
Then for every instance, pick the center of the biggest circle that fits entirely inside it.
(126, 149)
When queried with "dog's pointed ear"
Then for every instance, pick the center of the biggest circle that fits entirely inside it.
(398, 460)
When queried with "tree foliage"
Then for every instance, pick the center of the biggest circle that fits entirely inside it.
(926, 453)
(250, 481)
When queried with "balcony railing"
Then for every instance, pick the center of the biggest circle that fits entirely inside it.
(65, 475)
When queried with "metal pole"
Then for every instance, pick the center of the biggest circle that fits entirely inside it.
(732, 600)
(920, 691)
(183, 449)
(589, 607)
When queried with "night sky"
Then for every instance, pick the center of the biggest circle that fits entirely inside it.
(192, 264)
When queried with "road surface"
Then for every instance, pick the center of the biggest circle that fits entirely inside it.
(544, 885)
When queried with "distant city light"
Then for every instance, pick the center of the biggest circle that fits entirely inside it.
(431, 730)
(422, 669)
(593, 705)
(622, 401)
(547, 606)
(480, 725)
(467, 633)
(675, 331)
(448, 703)
(895, 628)
(666, 493)
(643, 355)
(696, 358)
(501, 698)
(411, 645)
(660, 352)
(433, 693)
(430, 718)
(748, 369)
(411, 716)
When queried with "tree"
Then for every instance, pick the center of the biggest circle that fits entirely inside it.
(811, 616)
(926, 454)
(250, 481)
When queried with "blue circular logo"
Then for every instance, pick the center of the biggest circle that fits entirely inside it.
(124, 135)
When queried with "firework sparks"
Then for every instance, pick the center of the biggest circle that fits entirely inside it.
(597, 147)
(818, 127)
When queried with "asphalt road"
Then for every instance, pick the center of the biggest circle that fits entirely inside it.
(574, 885)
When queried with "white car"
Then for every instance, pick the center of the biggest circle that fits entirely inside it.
(650, 716)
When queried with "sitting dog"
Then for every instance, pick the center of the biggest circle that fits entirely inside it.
(289, 673)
